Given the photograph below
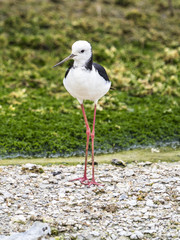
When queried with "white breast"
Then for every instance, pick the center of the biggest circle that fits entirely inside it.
(86, 84)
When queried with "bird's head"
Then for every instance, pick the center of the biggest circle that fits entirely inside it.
(81, 53)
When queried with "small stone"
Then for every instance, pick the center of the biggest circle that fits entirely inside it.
(95, 234)
(70, 222)
(29, 167)
(19, 219)
(56, 173)
(139, 234)
(69, 184)
(123, 233)
(178, 210)
(1, 199)
(132, 203)
(90, 163)
(155, 150)
(167, 206)
(143, 164)
(106, 180)
(6, 194)
(149, 203)
(149, 231)
(118, 162)
(129, 173)
(115, 194)
(37, 231)
(110, 207)
(62, 193)
(133, 236)
(99, 190)
(80, 237)
(113, 237)
(19, 212)
(123, 197)
(123, 238)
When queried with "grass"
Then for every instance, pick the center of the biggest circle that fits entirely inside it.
(138, 44)
(132, 156)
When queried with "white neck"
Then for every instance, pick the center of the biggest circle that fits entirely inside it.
(79, 63)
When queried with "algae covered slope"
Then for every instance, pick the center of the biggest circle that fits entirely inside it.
(136, 41)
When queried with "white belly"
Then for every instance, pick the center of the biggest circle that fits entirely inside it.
(85, 84)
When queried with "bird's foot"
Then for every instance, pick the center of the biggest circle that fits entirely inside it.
(93, 182)
(81, 179)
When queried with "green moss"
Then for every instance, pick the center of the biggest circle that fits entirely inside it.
(38, 117)
(54, 232)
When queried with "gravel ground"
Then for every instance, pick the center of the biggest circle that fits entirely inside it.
(136, 202)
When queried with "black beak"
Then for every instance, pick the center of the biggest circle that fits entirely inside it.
(66, 59)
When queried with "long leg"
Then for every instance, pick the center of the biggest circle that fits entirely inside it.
(93, 182)
(88, 132)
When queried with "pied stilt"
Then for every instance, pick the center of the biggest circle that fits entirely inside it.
(86, 80)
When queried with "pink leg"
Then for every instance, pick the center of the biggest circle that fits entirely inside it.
(93, 182)
(88, 132)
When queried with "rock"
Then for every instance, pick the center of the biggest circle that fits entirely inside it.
(149, 231)
(123, 238)
(124, 233)
(106, 180)
(62, 192)
(132, 203)
(178, 210)
(123, 197)
(143, 164)
(149, 203)
(19, 219)
(110, 208)
(155, 150)
(99, 190)
(37, 231)
(139, 234)
(56, 173)
(133, 236)
(6, 194)
(129, 173)
(115, 194)
(19, 212)
(159, 188)
(29, 167)
(95, 234)
(118, 162)
(90, 163)
(113, 237)
(80, 237)
(1, 199)
(71, 222)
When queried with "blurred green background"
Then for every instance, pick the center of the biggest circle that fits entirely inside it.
(137, 41)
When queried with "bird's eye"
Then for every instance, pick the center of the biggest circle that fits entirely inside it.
(82, 51)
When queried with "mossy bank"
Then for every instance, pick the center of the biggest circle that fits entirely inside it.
(138, 44)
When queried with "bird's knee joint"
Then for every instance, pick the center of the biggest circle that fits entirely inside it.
(92, 135)
(88, 131)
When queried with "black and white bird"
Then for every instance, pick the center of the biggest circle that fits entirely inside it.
(86, 80)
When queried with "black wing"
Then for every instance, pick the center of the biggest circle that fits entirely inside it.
(101, 71)
(67, 71)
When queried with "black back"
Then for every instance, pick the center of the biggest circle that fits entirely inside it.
(101, 71)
